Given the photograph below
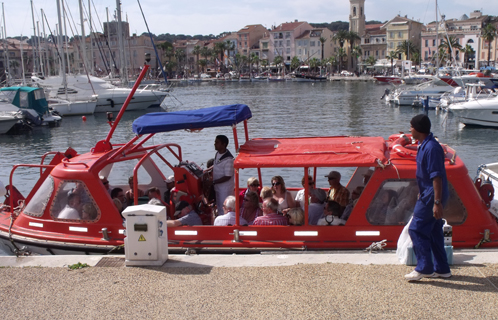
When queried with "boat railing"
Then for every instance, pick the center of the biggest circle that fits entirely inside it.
(154, 150)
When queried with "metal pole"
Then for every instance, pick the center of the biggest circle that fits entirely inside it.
(60, 45)
(122, 67)
(47, 66)
(33, 45)
(92, 66)
(109, 39)
(83, 41)
(5, 43)
(39, 49)
(65, 37)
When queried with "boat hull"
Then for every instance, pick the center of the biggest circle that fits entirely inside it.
(480, 112)
(76, 108)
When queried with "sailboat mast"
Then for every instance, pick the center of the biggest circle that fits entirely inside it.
(45, 45)
(65, 37)
(92, 65)
(108, 40)
(5, 42)
(437, 39)
(33, 45)
(60, 46)
(39, 50)
(122, 69)
(83, 41)
(22, 62)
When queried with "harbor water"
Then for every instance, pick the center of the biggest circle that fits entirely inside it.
(280, 109)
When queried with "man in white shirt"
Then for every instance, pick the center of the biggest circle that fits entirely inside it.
(229, 217)
(71, 210)
(223, 179)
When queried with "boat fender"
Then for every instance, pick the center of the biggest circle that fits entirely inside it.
(486, 190)
(112, 102)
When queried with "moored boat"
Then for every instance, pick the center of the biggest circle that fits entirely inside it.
(477, 112)
(389, 79)
(37, 223)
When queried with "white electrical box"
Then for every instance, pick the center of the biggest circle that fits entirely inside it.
(146, 242)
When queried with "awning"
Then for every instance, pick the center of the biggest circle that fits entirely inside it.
(311, 152)
(192, 119)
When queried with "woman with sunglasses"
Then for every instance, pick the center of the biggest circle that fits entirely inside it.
(252, 185)
(251, 210)
(283, 197)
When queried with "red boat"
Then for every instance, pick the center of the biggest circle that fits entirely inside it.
(36, 224)
(389, 79)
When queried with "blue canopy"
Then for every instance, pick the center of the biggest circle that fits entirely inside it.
(192, 119)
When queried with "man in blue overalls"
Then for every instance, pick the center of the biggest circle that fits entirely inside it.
(426, 228)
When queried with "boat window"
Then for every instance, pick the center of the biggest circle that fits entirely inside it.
(119, 172)
(73, 201)
(38, 203)
(395, 200)
(39, 94)
(23, 100)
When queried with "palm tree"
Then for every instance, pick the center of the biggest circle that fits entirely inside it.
(203, 63)
(356, 53)
(278, 60)
(197, 52)
(449, 44)
(341, 36)
(488, 34)
(371, 60)
(322, 41)
(341, 53)
(392, 55)
(229, 46)
(180, 55)
(244, 61)
(264, 63)
(295, 63)
(407, 48)
(254, 59)
(467, 52)
(352, 37)
(313, 63)
(219, 49)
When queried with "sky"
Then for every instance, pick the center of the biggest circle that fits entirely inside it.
(194, 17)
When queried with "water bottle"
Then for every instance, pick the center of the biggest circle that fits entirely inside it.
(447, 233)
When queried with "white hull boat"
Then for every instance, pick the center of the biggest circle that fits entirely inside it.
(109, 97)
(409, 95)
(477, 112)
(7, 122)
(72, 108)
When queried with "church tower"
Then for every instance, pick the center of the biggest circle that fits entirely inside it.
(357, 16)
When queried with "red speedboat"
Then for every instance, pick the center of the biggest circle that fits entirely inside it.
(44, 222)
(389, 79)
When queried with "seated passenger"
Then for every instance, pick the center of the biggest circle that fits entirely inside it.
(71, 210)
(170, 184)
(118, 205)
(130, 195)
(185, 216)
(331, 215)
(266, 193)
(88, 212)
(251, 209)
(154, 195)
(337, 192)
(315, 208)
(270, 216)
(252, 185)
(300, 194)
(355, 195)
(79, 189)
(296, 216)
(406, 204)
(228, 218)
(105, 182)
(283, 197)
(117, 193)
(366, 176)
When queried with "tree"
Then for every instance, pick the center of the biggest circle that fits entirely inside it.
(229, 46)
(197, 52)
(407, 48)
(392, 55)
(295, 63)
(179, 56)
(341, 36)
(488, 33)
(203, 63)
(448, 44)
(356, 53)
(352, 37)
(468, 51)
(322, 41)
(313, 63)
(371, 61)
(219, 50)
(341, 53)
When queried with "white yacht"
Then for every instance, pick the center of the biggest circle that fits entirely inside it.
(109, 97)
(72, 108)
(9, 116)
(477, 112)
(406, 96)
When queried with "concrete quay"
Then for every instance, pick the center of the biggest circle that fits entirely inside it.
(276, 285)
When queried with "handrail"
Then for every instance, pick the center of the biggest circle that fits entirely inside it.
(66, 163)
(145, 157)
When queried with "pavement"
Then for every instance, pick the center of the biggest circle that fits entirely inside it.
(264, 259)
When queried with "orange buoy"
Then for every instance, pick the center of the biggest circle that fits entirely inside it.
(83, 118)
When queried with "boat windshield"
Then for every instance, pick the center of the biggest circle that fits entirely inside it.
(73, 201)
(395, 200)
(38, 203)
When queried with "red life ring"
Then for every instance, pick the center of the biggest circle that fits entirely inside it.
(486, 190)
(402, 147)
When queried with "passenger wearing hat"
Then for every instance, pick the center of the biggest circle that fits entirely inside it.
(426, 227)
(170, 184)
(337, 192)
(185, 216)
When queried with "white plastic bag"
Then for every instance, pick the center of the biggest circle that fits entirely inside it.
(404, 242)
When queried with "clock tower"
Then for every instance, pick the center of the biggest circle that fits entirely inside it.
(357, 16)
